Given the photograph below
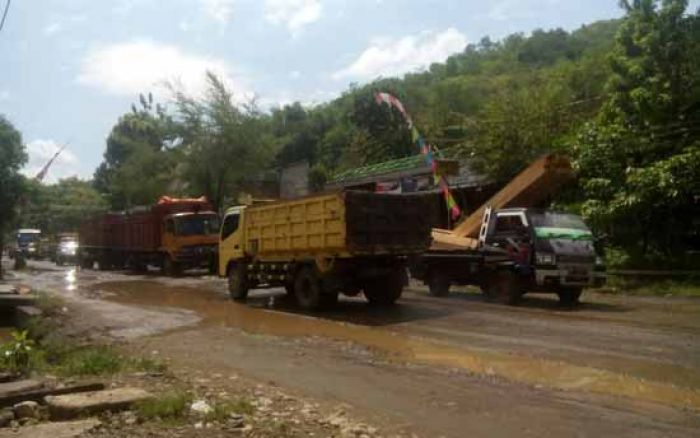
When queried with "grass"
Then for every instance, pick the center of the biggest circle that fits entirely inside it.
(222, 411)
(652, 287)
(170, 407)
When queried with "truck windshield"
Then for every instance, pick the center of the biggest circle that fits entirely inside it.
(24, 239)
(550, 225)
(197, 225)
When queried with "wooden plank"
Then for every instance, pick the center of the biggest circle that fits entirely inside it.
(533, 185)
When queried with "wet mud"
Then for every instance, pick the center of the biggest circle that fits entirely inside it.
(270, 313)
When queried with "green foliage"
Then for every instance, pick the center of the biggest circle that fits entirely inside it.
(17, 354)
(91, 361)
(222, 410)
(60, 207)
(138, 162)
(171, 407)
(12, 158)
(640, 159)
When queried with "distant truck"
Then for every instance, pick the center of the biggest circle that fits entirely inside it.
(26, 243)
(508, 248)
(65, 251)
(319, 246)
(174, 234)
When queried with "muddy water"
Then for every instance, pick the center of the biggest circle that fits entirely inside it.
(216, 310)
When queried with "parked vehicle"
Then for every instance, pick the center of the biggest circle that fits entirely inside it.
(320, 246)
(174, 234)
(511, 251)
(27, 240)
(67, 249)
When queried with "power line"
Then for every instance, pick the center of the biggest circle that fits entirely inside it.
(4, 14)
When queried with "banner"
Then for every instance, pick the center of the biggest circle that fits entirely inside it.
(424, 148)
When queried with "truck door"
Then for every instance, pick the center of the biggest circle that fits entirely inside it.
(230, 240)
(511, 233)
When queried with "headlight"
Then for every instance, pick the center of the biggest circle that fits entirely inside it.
(545, 259)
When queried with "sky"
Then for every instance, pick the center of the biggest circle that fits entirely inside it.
(70, 68)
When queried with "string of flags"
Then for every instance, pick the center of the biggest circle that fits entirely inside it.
(425, 148)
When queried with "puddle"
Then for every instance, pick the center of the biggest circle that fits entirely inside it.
(215, 309)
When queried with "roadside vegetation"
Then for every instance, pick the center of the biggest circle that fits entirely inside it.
(689, 287)
(621, 97)
(41, 348)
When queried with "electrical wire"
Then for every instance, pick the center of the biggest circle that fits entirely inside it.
(4, 14)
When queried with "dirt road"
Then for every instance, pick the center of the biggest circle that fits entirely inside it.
(617, 366)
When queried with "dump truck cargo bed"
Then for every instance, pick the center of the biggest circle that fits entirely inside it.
(340, 225)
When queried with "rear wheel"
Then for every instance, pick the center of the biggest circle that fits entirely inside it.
(238, 282)
(171, 267)
(384, 291)
(309, 293)
(569, 296)
(503, 287)
(439, 285)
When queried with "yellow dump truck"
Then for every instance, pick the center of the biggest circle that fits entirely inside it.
(323, 245)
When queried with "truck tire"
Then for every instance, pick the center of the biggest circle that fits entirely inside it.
(503, 287)
(439, 285)
(238, 282)
(384, 291)
(309, 293)
(171, 267)
(569, 296)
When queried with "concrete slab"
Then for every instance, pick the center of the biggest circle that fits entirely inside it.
(68, 429)
(12, 300)
(87, 403)
(18, 387)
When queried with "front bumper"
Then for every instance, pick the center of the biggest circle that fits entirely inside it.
(197, 256)
(573, 276)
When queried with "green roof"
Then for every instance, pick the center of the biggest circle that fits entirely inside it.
(400, 164)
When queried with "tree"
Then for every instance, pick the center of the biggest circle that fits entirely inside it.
(12, 158)
(223, 145)
(138, 164)
(639, 159)
(61, 207)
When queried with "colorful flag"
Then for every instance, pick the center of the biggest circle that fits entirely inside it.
(424, 148)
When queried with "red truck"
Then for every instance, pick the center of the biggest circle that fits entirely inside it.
(174, 234)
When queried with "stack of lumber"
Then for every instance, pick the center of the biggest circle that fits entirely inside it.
(533, 185)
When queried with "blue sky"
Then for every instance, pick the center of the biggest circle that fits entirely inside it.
(69, 68)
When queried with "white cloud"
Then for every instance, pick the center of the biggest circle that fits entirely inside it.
(142, 66)
(294, 14)
(4, 95)
(41, 151)
(219, 10)
(52, 28)
(390, 57)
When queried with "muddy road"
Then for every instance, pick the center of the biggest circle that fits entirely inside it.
(616, 366)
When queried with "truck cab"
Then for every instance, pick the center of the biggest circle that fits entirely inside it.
(231, 238)
(28, 242)
(189, 239)
(555, 251)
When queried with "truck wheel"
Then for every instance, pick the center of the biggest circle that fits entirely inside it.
(439, 285)
(384, 291)
(503, 287)
(569, 297)
(171, 267)
(85, 263)
(238, 282)
(309, 292)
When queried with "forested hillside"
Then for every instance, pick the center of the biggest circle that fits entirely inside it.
(622, 97)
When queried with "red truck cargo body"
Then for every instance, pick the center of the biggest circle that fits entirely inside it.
(138, 230)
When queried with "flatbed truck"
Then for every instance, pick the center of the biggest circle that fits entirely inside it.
(507, 248)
